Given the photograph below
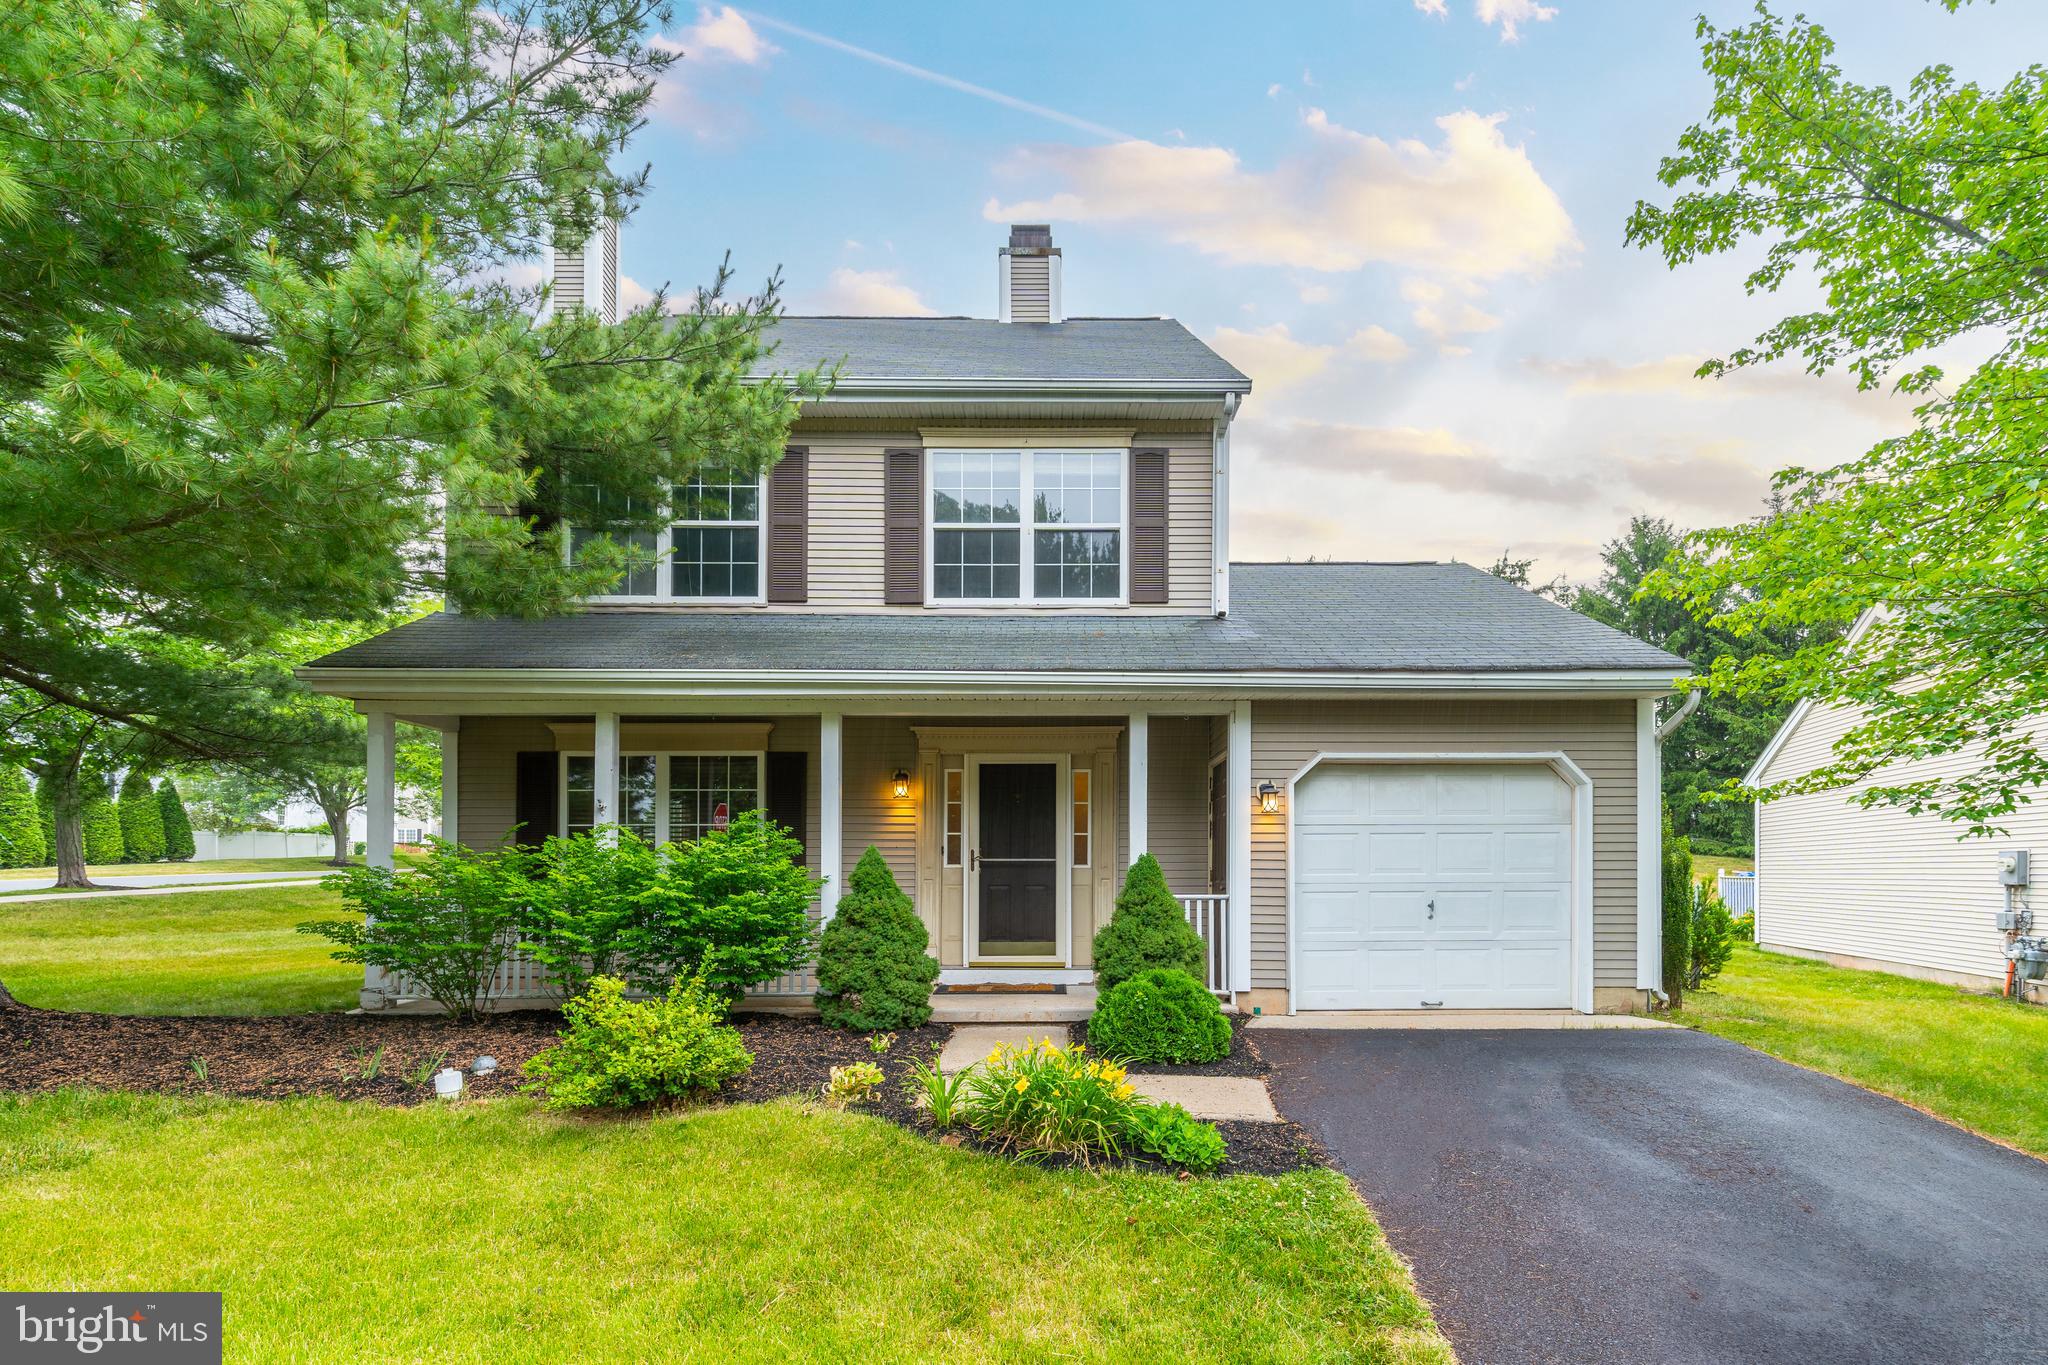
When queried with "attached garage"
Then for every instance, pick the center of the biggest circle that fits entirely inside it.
(1430, 883)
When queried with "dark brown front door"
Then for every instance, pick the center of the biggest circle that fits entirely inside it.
(1018, 860)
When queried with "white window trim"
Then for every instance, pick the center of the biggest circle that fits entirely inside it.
(661, 759)
(664, 545)
(1026, 526)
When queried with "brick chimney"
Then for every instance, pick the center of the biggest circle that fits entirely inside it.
(1029, 273)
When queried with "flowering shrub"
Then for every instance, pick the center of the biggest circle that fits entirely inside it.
(622, 1052)
(1041, 1099)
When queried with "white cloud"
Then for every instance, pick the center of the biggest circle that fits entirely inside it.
(1707, 477)
(1315, 293)
(1435, 9)
(1378, 344)
(1510, 14)
(1271, 355)
(871, 293)
(1472, 205)
(721, 35)
(1444, 317)
(1273, 90)
(1427, 456)
(633, 294)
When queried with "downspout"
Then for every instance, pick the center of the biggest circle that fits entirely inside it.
(1666, 729)
(1219, 514)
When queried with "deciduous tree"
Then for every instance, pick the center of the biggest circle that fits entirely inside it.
(1921, 217)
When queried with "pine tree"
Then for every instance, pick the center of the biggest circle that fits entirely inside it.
(873, 970)
(100, 824)
(21, 827)
(142, 822)
(1149, 930)
(178, 844)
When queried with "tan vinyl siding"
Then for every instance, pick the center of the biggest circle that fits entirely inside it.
(1879, 883)
(486, 773)
(874, 747)
(1190, 524)
(1178, 801)
(1599, 736)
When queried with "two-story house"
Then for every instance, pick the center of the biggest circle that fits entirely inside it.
(982, 616)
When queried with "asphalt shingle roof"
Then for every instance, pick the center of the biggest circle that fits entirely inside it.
(1143, 350)
(1349, 618)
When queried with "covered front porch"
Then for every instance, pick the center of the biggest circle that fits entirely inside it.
(1010, 823)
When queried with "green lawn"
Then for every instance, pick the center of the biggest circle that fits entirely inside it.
(1706, 865)
(310, 866)
(1973, 1059)
(351, 1232)
(231, 951)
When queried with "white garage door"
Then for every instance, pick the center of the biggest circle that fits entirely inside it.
(1421, 886)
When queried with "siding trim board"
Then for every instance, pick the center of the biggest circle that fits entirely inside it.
(1582, 845)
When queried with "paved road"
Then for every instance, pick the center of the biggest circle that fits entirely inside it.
(1671, 1197)
(149, 879)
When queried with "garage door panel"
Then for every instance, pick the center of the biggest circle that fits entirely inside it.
(1491, 846)
(1536, 854)
(1464, 914)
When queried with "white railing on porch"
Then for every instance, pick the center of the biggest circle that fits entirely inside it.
(1208, 914)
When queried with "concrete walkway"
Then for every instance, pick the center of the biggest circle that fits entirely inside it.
(153, 880)
(1206, 1097)
(254, 882)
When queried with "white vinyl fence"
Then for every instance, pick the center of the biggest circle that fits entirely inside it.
(1738, 892)
(211, 846)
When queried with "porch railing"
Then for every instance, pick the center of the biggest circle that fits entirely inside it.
(1207, 913)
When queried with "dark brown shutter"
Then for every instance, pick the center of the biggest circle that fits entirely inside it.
(535, 790)
(788, 794)
(789, 498)
(1148, 526)
(903, 526)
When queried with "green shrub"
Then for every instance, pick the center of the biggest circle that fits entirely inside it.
(142, 820)
(585, 908)
(178, 845)
(1174, 1136)
(1043, 1100)
(618, 1052)
(1677, 914)
(21, 827)
(1159, 1016)
(1148, 930)
(1744, 925)
(732, 907)
(873, 970)
(1712, 936)
(446, 926)
(99, 827)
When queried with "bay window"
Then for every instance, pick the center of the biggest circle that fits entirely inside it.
(1027, 526)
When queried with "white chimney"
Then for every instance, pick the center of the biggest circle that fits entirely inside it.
(1028, 270)
(587, 276)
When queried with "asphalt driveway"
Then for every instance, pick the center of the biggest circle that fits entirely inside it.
(1667, 1196)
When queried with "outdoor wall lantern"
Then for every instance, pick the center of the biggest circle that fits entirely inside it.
(901, 782)
(1269, 798)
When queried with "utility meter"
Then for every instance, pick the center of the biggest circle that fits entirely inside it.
(2012, 867)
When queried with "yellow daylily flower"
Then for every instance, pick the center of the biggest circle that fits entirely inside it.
(1023, 1084)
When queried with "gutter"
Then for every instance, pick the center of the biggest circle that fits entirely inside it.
(1670, 727)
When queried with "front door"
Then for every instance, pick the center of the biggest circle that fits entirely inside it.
(1015, 860)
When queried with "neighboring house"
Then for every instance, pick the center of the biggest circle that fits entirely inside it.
(982, 616)
(1875, 886)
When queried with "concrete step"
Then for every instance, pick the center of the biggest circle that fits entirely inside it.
(1005, 1007)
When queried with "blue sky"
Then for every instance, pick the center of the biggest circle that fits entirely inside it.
(1402, 217)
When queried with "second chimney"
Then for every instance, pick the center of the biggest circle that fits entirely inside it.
(1029, 272)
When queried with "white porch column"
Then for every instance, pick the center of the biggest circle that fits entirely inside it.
(381, 790)
(604, 798)
(450, 782)
(1138, 785)
(831, 792)
(1237, 819)
(1649, 850)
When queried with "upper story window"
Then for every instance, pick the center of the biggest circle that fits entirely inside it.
(711, 550)
(1027, 526)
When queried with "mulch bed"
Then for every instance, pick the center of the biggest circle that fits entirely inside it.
(333, 1055)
